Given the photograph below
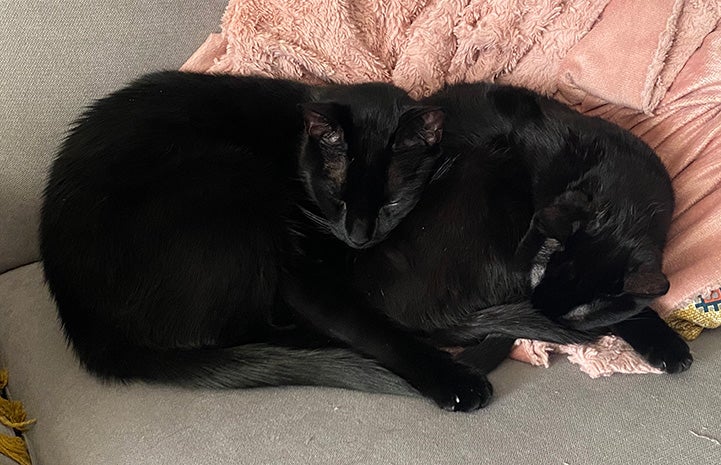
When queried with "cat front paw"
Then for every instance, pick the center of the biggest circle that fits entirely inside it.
(460, 389)
(652, 338)
(674, 356)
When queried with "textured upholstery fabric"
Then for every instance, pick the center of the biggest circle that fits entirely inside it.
(539, 416)
(57, 55)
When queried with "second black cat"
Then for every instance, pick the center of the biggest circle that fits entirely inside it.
(533, 200)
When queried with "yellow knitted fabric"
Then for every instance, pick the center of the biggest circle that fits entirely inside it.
(12, 415)
(704, 312)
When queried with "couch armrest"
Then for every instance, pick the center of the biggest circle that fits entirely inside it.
(57, 56)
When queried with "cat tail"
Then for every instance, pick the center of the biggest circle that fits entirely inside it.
(252, 365)
(517, 320)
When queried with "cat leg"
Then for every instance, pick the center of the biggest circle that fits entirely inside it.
(651, 337)
(344, 317)
(487, 354)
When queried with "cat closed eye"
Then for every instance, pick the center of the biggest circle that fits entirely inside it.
(416, 141)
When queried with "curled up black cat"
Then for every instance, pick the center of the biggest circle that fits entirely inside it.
(536, 201)
(199, 230)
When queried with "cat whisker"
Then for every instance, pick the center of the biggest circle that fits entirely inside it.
(316, 219)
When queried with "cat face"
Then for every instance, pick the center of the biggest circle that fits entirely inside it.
(367, 160)
(589, 282)
(589, 274)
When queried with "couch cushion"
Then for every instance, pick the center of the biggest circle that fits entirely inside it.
(57, 56)
(550, 416)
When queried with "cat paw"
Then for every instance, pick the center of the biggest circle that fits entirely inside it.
(461, 390)
(652, 338)
(674, 356)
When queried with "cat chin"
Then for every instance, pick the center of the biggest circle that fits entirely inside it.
(343, 237)
(365, 245)
(578, 314)
(602, 313)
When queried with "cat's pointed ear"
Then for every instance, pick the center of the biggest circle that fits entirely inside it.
(566, 215)
(319, 118)
(647, 281)
(420, 125)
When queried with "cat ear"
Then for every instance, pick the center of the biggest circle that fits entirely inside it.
(568, 212)
(421, 125)
(560, 220)
(647, 281)
(319, 119)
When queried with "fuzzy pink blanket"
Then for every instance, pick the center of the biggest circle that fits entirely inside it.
(653, 68)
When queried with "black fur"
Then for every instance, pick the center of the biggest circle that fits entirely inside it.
(235, 232)
(598, 202)
(199, 230)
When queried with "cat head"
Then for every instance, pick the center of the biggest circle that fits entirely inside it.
(603, 209)
(597, 265)
(370, 151)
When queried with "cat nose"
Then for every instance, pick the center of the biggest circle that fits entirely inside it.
(359, 232)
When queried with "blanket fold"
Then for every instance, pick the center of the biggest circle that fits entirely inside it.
(634, 54)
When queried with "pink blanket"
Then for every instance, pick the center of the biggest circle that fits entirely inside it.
(653, 68)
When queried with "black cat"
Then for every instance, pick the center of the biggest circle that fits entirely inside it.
(598, 202)
(199, 230)
(203, 230)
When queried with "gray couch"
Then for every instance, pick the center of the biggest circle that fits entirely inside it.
(57, 55)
